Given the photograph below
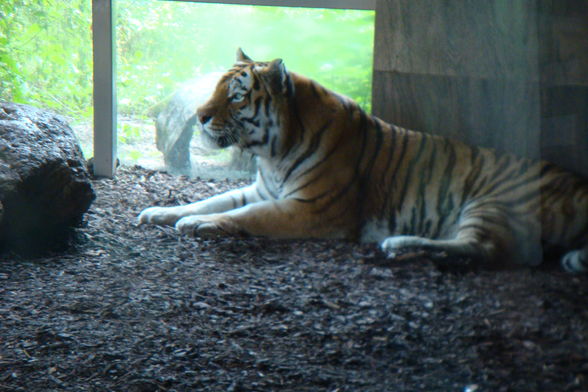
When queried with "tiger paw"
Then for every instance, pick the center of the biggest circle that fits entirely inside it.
(163, 216)
(206, 226)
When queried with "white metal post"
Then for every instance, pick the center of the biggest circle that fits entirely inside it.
(104, 88)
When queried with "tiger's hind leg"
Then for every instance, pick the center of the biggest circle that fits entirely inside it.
(443, 251)
(486, 233)
(576, 261)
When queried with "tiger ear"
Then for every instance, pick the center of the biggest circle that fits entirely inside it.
(242, 57)
(276, 77)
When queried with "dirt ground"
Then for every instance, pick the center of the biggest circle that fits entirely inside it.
(134, 309)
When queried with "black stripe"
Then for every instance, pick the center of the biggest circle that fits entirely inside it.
(326, 157)
(273, 143)
(534, 194)
(411, 165)
(333, 149)
(546, 168)
(267, 106)
(474, 171)
(515, 185)
(427, 227)
(408, 176)
(292, 146)
(251, 120)
(391, 154)
(377, 144)
(314, 90)
(262, 142)
(356, 175)
(365, 180)
(413, 218)
(307, 183)
(473, 226)
(310, 151)
(486, 218)
(289, 86)
(502, 173)
(257, 105)
(261, 196)
(444, 199)
(314, 198)
(425, 178)
(263, 180)
(388, 198)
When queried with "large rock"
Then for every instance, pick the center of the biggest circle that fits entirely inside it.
(44, 185)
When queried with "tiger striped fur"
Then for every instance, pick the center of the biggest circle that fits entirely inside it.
(326, 169)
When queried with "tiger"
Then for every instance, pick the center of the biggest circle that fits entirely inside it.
(326, 169)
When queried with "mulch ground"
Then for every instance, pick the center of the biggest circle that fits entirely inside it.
(139, 308)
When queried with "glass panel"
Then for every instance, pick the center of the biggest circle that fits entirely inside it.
(169, 55)
(46, 59)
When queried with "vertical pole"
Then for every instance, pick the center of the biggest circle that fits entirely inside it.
(104, 88)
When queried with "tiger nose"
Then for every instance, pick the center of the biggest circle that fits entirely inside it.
(203, 116)
(204, 119)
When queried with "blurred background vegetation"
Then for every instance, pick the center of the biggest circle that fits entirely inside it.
(46, 53)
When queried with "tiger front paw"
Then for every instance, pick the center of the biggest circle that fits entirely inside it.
(207, 226)
(163, 216)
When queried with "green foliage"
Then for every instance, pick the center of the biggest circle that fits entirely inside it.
(45, 54)
(129, 133)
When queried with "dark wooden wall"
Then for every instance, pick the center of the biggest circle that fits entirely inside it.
(507, 74)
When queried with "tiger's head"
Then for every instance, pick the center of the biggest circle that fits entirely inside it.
(244, 108)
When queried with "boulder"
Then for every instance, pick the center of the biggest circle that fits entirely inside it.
(45, 187)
